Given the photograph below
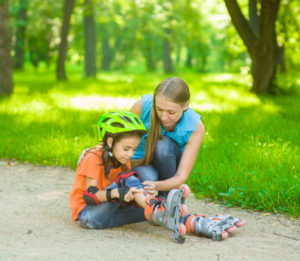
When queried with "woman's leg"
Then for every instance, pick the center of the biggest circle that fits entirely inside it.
(146, 172)
(109, 214)
(166, 159)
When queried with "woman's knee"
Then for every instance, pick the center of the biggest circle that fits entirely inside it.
(165, 147)
(146, 172)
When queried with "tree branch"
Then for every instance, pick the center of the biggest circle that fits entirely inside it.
(241, 24)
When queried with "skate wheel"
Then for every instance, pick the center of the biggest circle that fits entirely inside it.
(240, 223)
(182, 229)
(224, 235)
(231, 229)
(184, 210)
(186, 190)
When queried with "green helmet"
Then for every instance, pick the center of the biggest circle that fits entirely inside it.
(119, 122)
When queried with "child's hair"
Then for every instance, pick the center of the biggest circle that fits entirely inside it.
(175, 90)
(107, 160)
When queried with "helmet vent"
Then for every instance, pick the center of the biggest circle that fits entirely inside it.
(105, 120)
(137, 121)
(126, 118)
(117, 124)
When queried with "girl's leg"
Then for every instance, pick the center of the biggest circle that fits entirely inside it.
(109, 214)
(166, 159)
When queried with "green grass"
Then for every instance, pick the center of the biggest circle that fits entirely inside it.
(250, 153)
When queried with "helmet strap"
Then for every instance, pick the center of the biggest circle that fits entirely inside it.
(114, 161)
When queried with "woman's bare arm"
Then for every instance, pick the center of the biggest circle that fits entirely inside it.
(137, 107)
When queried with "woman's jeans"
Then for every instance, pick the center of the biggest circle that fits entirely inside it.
(165, 163)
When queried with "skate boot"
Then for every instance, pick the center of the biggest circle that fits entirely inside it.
(216, 228)
(169, 212)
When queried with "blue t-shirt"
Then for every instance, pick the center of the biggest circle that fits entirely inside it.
(181, 133)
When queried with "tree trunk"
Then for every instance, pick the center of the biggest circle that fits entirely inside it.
(6, 80)
(263, 68)
(253, 17)
(106, 49)
(106, 56)
(262, 48)
(150, 61)
(264, 54)
(89, 39)
(20, 35)
(167, 60)
(34, 52)
(280, 58)
(63, 46)
(189, 57)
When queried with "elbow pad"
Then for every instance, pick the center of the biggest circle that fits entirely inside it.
(89, 196)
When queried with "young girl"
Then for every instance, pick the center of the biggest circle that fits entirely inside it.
(104, 186)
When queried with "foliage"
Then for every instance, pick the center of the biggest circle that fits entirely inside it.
(135, 31)
(250, 154)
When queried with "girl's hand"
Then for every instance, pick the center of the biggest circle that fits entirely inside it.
(130, 194)
(150, 187)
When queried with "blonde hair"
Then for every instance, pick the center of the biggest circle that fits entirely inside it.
(175, 90)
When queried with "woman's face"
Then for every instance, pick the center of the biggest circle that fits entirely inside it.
(169, 112)
(124, 149)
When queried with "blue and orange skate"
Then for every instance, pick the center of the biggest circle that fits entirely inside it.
(169, 212)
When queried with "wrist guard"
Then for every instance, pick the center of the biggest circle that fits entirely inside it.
(89, 196)
(122, 189)
(108, 195)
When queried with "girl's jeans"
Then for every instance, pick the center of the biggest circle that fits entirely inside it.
(109, 214)
(165, 163)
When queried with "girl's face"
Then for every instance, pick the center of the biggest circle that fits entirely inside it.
(124, 149)
(169, 112)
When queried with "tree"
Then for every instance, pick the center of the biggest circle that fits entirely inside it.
(262, 47)
(63, 46)
(89, 39)
(6, 81)
(168, 34)
(20, 35)
(167, 60)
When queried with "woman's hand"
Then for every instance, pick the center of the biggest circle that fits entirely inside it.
(150, 187)
(129, 196)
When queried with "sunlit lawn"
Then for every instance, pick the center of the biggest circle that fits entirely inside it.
(249, 157)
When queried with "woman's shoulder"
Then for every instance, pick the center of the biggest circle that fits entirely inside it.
(147, 100)
(190, 119)
(192, 114)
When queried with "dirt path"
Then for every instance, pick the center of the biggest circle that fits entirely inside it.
(35, 224)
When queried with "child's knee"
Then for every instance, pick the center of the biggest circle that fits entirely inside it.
(90, 224)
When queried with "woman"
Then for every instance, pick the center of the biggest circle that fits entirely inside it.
(170, 150)
(166, 156)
